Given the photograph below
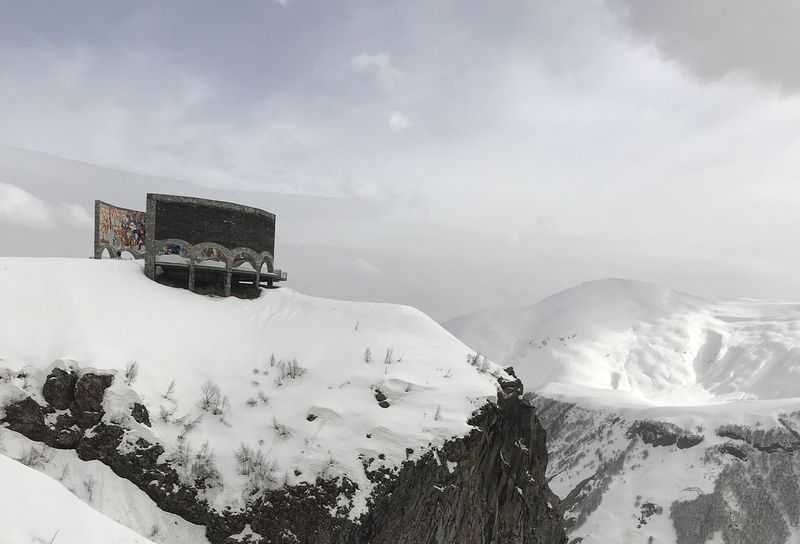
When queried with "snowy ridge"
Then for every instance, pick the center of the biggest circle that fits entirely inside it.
(322, 418)
(649, 344)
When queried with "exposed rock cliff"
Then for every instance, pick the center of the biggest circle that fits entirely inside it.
(487, 487)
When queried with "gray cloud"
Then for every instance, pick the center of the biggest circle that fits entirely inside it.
(718, 38)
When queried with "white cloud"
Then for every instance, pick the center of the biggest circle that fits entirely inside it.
(379, 66)
(283, 2)
(74, 214)
(398, 121)
(20, 207)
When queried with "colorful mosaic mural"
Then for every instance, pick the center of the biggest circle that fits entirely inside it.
(120, 229)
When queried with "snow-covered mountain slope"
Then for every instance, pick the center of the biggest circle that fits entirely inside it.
(247, 399)
(35, 508)
(659, 346)
(669, 416)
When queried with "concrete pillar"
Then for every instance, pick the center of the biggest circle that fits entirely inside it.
(191, 274)
(228, 282)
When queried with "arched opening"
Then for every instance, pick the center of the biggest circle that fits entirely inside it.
(126, 255)
(105, 254)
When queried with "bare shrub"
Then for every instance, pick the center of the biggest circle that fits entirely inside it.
(89, 484)
(263, 397)
(367, 356)
(259, 470)
(288, 371)
(211, 399)
(389, 357)
(154, 532)
(438, 414)
(164, 413)
(203, 468)
(252, 402)
(281, 431)
(35, 457)
(188, 423)
(131, 372)
(170, 391)
(480, 362)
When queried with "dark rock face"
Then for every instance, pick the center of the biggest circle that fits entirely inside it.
(496, 492)
(26, 417)
(59, 389)
(487, 487)
(140, 414)
(659, 433)
(89, 391)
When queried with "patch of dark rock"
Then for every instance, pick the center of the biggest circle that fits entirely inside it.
(140, 414)
(311, 417)
(26, 417)
(660, 433)
(381, 398)
(647, 510)
(89, 391)
(730, 449)
(766, 440)
(59, 388)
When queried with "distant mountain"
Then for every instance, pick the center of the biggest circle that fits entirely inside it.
(669, 417)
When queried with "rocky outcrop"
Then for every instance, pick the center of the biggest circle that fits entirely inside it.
(488, 487)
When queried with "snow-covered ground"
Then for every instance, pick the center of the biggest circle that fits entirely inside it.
(35, 508)
(607, 354)
(299, 375)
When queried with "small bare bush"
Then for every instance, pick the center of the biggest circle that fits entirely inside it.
(188, 423)
(212, 400)
(164, 413)
(367, 356)
(259, 470)
(389, 357)
(252, 402)
(170, 391)
(35, 457)
(131, 372)
(89, 484)
(480, 362)
(281, 431)
(203, 468)
(288, 371)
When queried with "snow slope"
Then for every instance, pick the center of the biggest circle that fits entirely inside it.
(35, 508)
(105, 314)
(652, 345)
(96, 485)
(611, 357)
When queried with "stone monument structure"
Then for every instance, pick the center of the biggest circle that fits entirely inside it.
(203, 245)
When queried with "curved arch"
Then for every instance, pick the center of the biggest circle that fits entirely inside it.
(266, 258)
(240, 255)
(173, 246)
(105, 253)
(210, 251)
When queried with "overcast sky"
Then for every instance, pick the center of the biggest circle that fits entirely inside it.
(470, 154)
